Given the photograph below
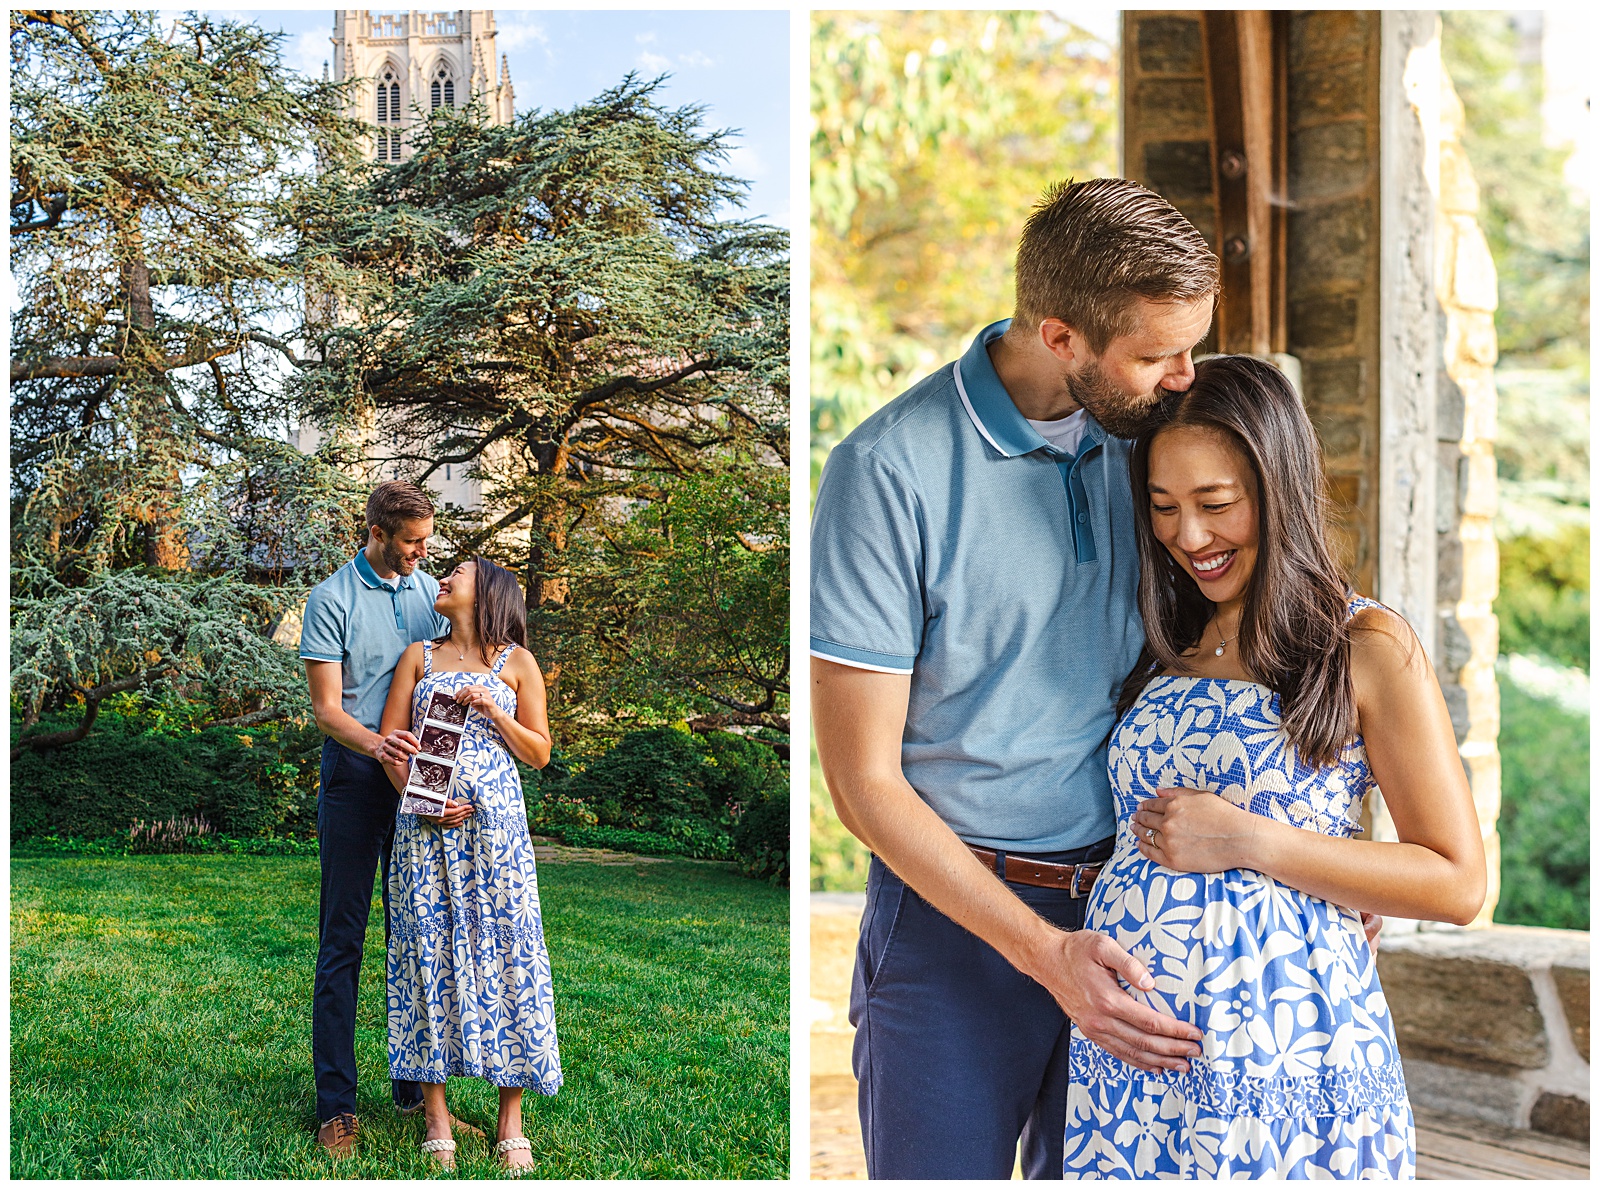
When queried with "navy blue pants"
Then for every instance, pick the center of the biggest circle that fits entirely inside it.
(355, 832)
(957, 1053)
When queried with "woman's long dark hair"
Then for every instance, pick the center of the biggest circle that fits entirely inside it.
(1294, 635)
(499, 609)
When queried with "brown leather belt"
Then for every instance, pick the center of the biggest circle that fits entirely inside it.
(1077, 879)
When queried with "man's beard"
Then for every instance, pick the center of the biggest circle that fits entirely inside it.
(395, 560)
(1121, 415)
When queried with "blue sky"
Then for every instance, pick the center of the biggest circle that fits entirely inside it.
(736, 64)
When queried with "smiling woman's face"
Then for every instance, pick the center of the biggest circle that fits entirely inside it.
(457, 589)
(1203, 508)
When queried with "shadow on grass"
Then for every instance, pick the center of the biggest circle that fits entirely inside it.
(161, 1025)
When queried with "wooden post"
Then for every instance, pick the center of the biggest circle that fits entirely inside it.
(1244, 80)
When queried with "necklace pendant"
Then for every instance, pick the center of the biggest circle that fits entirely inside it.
(1219, 650)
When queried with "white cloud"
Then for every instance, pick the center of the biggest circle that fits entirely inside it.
(306, 52)
(695, 58)
(654, 63)
(645, 38)
(745, 162)
(514, 35)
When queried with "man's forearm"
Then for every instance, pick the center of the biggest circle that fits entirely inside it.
(340, 725)
(901, 829)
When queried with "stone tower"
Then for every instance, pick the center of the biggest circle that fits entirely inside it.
(410, 63)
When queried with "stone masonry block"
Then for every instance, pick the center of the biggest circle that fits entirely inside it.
(1169, 45)
(1328, 93)
(1342, 435)
(1458, 189)
(1466, 998)
(1478, 344)
(1171, 108)
(1561, 1115)
(1446, 507)
(1178, 170)
(1449, 581)
(1452, 408)
(1330, 160)
(1572, 985)
(1480, 399)
(1480, 570)
(1326, 320)
(1333, 381)
(1473, 284)
(1328, 245)
(1328, 36)
(1480, 488)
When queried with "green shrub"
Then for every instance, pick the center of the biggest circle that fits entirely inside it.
(1543, 603)
(649, 775)
(253, 782)
(761, 836)
(645, 842)
(669, 792)
(1544, 813)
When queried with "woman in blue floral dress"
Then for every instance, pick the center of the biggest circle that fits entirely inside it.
(468, 974)
(1268, 702)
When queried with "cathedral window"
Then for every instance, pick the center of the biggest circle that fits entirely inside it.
(443, 92)
(388, 113)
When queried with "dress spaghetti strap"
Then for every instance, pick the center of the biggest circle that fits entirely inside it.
(427, 657)
(501, 660)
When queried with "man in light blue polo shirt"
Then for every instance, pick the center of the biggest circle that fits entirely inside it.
(972, 615)
(357, 623)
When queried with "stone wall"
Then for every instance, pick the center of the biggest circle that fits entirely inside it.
(1494, 1024)
(1469, 559)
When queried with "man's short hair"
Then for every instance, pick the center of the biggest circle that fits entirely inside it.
(1091, 249)
(395, 501)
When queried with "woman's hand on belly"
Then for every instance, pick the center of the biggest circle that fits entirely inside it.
(1195, 831)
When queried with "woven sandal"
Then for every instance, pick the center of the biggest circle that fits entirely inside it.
(506, 1147)
(443, 1151)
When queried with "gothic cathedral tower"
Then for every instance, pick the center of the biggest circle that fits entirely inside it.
(405, 66)
(411, 63)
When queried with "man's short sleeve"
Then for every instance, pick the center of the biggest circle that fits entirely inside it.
(322, 628)
(866, 564)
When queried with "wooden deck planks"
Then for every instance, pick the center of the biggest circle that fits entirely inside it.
(1454, 1147)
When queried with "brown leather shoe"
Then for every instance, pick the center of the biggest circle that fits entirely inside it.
(338, 1135)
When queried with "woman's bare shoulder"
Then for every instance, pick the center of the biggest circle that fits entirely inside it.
(519, 665)
(1385, 654)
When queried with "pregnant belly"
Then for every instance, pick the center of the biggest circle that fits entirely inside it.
(1263, 970)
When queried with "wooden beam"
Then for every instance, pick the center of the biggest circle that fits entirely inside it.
(1243, 84)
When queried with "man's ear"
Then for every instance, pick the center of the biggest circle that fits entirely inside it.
(1061, 340)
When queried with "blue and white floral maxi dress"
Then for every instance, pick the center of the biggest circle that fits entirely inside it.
(1300, 1077)
(468, 974)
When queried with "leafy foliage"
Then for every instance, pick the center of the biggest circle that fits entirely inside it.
(1544, 813)
(554, 303)
(1538, 231)
(669, 792)
(576, 328)
(933, 134)
(251, 783)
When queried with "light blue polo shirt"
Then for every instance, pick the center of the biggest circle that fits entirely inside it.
(952, 542)
(355, 618)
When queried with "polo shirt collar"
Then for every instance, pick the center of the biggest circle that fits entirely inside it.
(370, 577)
(991, 408)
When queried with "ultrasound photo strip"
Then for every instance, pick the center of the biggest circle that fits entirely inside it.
(433, 770)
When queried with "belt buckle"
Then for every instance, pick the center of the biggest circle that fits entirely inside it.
(1080, 885)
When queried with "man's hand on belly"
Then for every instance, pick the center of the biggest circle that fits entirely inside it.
(1082, 976)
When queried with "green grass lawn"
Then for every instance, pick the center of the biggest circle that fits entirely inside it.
(161, 1025)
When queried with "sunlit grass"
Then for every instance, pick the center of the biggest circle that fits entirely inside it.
(161, 1025)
